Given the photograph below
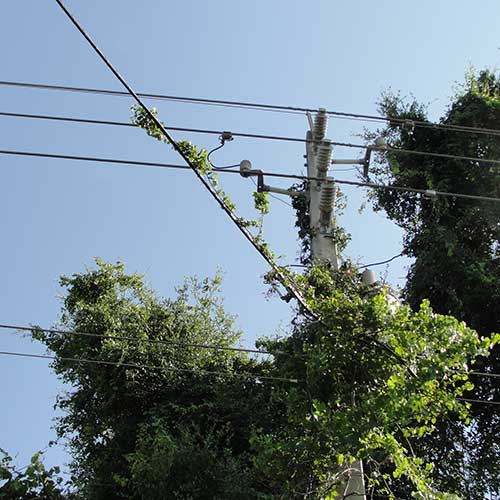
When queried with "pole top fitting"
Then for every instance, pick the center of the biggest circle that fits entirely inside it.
(368, 277)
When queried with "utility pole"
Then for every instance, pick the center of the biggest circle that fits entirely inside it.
(322, 195)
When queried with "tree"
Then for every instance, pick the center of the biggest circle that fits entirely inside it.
(455, 246)
(375, 381)
(177, 426)
(186, 422)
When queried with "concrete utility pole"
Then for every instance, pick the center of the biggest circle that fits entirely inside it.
(322, 194)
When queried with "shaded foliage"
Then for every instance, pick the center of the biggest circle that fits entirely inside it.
(32, 482)
(182, 429)
(455, 246)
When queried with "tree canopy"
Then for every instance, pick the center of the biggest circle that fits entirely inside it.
(189, 422)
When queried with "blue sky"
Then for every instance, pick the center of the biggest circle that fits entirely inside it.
(57, 215)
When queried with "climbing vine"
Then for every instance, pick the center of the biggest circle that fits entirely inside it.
(199, 159)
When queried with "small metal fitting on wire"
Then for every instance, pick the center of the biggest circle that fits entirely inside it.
(245, 168)
(226, 136)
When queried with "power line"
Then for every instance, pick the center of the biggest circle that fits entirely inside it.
(285, 281)
(163, 97)
(147, 367)
(382, 262)
(258, 106)
(219, 167)
(426, 192)
(177, 369)
(484, 374)
(443, 155)
(372, 185)
(249, 135)
(128, 124)
(480, 401)
(21, 328)
(30, 329)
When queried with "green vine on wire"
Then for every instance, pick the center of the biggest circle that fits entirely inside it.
(199, 159)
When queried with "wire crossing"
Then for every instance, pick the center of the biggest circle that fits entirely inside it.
(284, 280)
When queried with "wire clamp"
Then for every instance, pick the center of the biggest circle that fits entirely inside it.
(226, 136)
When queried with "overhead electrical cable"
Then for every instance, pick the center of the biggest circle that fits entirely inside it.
(177, 369)
(129, 124)
(162, 97)
(259, 107)
(284, 280)
(147, 340)
(249, 135)
(372, 185)
(195, 345)
(219, 167)
(479, 401)
(400, 254)
(148, 367)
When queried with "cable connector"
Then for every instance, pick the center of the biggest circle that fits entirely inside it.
(226, 136)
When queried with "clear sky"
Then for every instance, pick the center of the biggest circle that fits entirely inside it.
(57, 215)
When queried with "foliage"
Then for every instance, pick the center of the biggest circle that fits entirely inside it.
(455, 246)
(261, 201)
(31, 482)
(375, 381)
(181, 423)
(199, 158)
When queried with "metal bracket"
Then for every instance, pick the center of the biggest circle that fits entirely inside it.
(264, 188)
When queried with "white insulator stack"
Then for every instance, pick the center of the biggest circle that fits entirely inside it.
(320, 125)
(323, 158)
(326, 203)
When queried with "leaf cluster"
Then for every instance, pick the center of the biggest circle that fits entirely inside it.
(32, 482)
(455, 246)
(375, 381)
